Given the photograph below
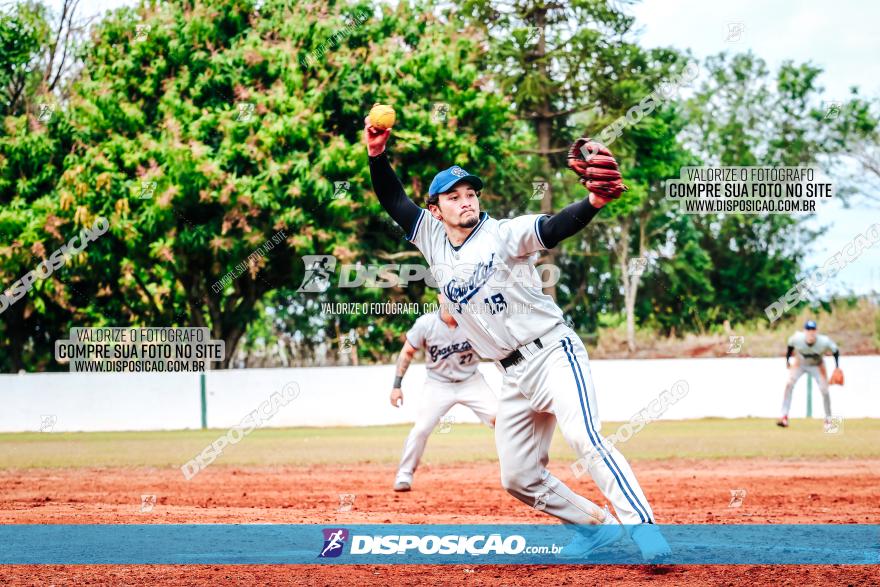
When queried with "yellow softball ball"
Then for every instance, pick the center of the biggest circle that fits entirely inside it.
(382, 116)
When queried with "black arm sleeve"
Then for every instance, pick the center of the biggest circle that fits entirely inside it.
(788, 354)
(837, 358)
(568, 221)
(390, 192)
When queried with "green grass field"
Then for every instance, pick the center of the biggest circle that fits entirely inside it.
(702, 439)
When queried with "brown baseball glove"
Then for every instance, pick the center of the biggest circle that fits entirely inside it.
(836, 377)
(596, 167)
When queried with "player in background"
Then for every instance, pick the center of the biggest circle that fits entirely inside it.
(486, 269)
(808, 348)
(453, 378)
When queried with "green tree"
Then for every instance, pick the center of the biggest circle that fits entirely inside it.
(640, 226)
(743, 115)
(570, 67)
(447, 113)
(38, 50)
(37, 63)
(204, 130)
(852, 130)
(678, 295)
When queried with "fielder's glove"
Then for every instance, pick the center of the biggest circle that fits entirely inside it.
(836, 377)
(596, 168)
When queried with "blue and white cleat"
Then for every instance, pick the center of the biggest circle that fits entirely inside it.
(649, 539)
(591, 537)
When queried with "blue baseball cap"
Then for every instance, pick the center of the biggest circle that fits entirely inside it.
(810, 325)
(447, 178)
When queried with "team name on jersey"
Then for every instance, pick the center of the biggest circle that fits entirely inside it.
(441, 353)
(460, 290)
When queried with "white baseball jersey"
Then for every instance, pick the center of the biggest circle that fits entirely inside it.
(449, 356)
(491, 280)
(811, 354)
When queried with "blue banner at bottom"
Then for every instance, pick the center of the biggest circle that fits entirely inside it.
(784, 544)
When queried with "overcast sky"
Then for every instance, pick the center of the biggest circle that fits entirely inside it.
(840, 36)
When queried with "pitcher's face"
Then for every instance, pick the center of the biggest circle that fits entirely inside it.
(459, 207)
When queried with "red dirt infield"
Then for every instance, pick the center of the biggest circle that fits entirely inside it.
(681, 491)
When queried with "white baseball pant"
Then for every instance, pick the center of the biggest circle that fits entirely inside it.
(439, 397)
(818, 373)
(553, 386)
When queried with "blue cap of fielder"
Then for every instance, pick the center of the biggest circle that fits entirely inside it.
(447, 178)
(810, 325)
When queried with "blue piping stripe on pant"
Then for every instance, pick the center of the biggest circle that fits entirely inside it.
(590, 433)
(606, 457)
(643, 509)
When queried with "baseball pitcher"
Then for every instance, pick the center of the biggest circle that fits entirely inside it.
(453, 378)
(808, 348)
(486, 269)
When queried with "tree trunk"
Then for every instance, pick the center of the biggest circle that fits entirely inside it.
(632, 279)
(354, 349)
(227, 323)
(630, 304)
(17, 331)
(231, 339)
(543, 126)
(629, 282)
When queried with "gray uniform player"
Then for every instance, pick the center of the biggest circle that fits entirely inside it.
(808, 348)
(485, 267)
(453, 377)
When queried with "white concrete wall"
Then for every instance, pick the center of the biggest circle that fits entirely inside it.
(87, 401)
(358, 396)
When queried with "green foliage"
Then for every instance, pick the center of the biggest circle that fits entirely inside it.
(235, 121)
(681, 296)
(24, 32)
(203, 130)
(411, 61)
(851, 130)
(741, 115)
(33, 145)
